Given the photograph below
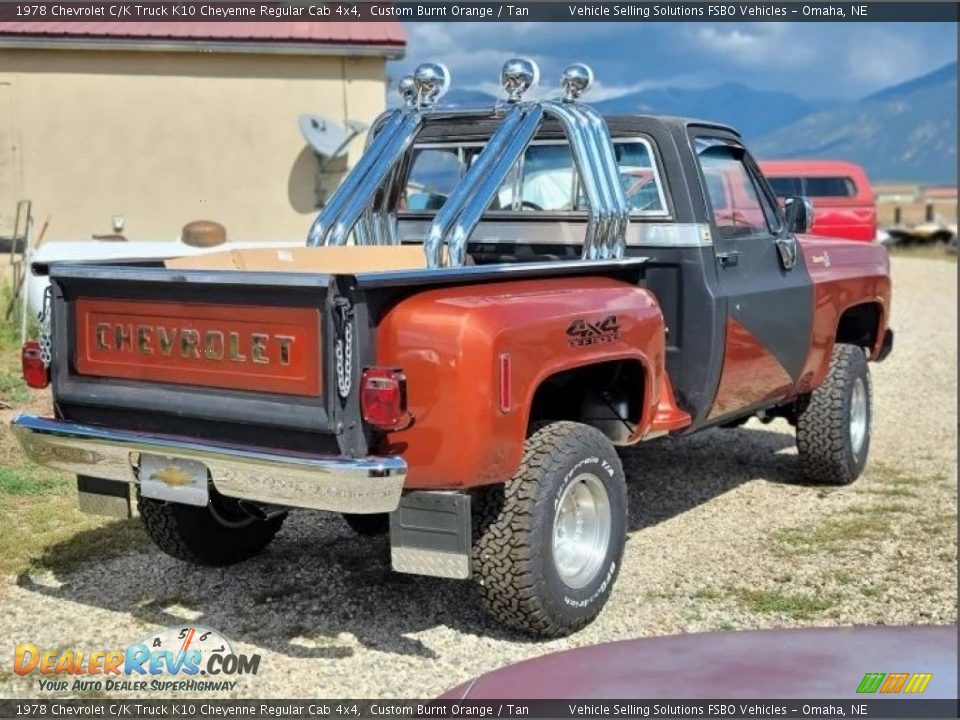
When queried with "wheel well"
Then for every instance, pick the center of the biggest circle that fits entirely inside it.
(607, 395)
(859, 325)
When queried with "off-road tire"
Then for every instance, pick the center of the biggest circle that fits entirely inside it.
(513, 532)
(195, 535)
(368, 525)
(824, 441)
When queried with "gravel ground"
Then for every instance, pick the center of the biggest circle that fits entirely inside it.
(722, 536)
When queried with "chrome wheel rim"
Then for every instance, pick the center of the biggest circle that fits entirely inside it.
(858, 416)
(581, 531)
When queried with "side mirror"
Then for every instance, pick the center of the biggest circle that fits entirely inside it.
(799, 212)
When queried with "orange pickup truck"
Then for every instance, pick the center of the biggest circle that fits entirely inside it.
(492, 302)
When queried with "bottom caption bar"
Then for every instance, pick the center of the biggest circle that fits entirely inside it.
(893, 708)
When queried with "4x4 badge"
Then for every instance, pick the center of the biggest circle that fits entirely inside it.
(583, 332)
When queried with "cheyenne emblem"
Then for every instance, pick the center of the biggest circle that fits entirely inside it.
(263, 349)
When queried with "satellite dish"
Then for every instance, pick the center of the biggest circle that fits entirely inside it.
(327, 138)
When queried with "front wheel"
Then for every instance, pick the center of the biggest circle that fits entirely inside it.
(833, 430)
(548, 544)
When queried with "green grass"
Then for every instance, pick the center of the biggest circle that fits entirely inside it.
(832, 532)
(708, 594)
(106, 539)
(32, 480)
(9, 328)
(41, 527)
(13, 391)
(798, 607)
(878, 509)
(844, 578)
(886, 474)
(901, 491)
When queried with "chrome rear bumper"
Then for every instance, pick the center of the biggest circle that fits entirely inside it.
(354, 485)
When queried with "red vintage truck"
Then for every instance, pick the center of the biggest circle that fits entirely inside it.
(581, 284)
(839, 190)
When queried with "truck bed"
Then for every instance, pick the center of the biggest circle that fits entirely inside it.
(144, 393)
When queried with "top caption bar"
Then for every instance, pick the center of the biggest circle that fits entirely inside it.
(571, 11)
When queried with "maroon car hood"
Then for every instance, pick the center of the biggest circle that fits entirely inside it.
(817, 663)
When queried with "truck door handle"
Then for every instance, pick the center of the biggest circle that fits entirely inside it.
(729, 258)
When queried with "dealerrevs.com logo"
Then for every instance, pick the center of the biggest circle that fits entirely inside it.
(187, 658)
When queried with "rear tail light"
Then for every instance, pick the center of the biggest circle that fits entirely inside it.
(35, 372)
(383, 397)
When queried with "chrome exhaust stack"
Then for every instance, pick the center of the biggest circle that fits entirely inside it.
(364, 205)
(449, 212)
(383, 152)
(465, 205)
(593, 156)
(488, 186)
(592, 145)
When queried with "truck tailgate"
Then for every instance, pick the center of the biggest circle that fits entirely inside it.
(230, 354)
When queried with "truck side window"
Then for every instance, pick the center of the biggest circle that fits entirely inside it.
(738, 210)
(785, 186)
(831, 187)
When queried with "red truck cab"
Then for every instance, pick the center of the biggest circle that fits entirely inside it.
(839, 190)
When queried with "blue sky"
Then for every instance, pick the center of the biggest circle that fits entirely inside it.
(810, 60)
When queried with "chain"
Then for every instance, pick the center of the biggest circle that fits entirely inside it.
(344, 351)
(46, 345)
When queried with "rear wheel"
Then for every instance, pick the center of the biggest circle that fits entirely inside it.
(222, 533)
(548, 544)
(833, 430)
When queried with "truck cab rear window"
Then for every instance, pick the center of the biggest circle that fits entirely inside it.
(813, 186)
(544, 180)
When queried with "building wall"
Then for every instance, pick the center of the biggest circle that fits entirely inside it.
(166, 138)
(908, 205)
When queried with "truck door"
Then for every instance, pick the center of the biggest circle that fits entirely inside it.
(769, 302)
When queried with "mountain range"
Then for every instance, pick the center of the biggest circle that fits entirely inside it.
(906, 132)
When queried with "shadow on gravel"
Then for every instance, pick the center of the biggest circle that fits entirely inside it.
(671, 476)
(319, 590)
(316, 586)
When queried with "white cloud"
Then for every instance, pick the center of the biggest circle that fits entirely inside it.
(879, 57)
(767, 44)
(822, 60)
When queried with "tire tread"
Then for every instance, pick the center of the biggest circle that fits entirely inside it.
(194, 535)
(508, 520)
(822, 427)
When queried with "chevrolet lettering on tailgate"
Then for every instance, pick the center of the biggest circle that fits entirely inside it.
(241, 347)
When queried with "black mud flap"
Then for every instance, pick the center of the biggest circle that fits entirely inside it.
(104, 497)
(886, 347)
